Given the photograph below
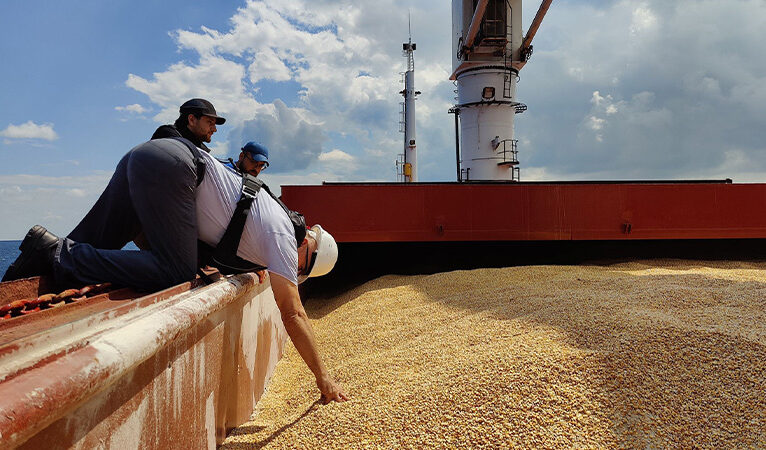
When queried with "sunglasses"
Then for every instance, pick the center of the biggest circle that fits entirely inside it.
(309, 262)
(311, 258)
(259, 164)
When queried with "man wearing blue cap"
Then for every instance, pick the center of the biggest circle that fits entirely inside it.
(253, 158)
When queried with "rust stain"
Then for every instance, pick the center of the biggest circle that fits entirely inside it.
(170, 369)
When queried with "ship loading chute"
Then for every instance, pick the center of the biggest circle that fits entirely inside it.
(488, 53)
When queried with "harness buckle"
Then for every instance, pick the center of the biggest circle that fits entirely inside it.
(250, 187)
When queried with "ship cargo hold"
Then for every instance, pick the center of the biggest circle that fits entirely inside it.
(103, 367)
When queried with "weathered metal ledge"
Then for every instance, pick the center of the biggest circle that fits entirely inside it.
(175, 369)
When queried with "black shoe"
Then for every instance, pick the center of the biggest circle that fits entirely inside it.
(36, 258)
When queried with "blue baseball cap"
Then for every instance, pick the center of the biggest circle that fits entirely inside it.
(257, 151)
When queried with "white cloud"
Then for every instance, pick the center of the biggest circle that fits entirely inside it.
(77, 192)
(266, 65)
(10, 190)
(597, 99)
(345, 59)
(219, 149)
(58, 202)
(595, 124)
(672, 105)
(340, 163)
(658, 76)
(644, 19)
(335, 155)
(30, 130)
(135, 108)
(214, 78)
(293, 140)
(25, 180)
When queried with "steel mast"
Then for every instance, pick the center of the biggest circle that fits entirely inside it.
(409, 165)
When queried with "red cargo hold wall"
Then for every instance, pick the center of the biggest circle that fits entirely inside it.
(384, 212)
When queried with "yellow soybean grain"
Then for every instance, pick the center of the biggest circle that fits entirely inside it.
(658, 353)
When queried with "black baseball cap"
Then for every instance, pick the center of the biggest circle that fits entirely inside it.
(203, 107)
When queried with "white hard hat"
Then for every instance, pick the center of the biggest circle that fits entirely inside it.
(325, 256)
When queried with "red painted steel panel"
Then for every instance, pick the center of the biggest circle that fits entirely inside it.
(523, 212)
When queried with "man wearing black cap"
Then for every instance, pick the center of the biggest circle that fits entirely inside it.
(196, 122)
(152, 194)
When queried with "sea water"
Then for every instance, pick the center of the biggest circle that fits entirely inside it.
(9, 251)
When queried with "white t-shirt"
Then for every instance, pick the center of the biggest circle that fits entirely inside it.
(268, 238)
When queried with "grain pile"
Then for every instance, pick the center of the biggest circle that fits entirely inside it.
(645, 354)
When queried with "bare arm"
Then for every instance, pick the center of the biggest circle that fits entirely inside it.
(299, 328)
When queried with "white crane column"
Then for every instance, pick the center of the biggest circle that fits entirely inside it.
(486, 60)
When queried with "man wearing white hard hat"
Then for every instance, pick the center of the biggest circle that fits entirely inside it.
(184, 194)
(185, 208)
(268, 239)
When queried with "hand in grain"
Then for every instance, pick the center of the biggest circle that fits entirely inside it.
(330, 390)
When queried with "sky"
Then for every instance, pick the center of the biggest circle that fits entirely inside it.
(616, 90)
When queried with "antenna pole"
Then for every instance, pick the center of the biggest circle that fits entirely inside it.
(409, 167)
(409, 24)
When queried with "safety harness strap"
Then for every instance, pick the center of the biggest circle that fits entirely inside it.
(296, 218)
(225, 254)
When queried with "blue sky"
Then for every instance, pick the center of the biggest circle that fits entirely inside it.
(616, 90)
(66, 63)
